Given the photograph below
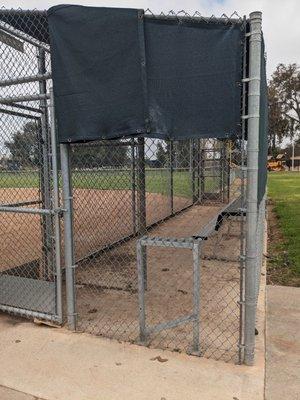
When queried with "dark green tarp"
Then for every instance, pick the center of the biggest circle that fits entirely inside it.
(263, 129)
(118, 73)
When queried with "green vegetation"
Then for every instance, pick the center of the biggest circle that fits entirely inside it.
(284, 193)
(157, 181)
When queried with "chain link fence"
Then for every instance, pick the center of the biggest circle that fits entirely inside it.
(28, 281)
(158, 191)
(158, 226)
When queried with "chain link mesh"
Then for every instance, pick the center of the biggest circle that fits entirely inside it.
(148, 187)
(124, 191)
(27, 267)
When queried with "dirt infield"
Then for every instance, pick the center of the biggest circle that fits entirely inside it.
(101, 217)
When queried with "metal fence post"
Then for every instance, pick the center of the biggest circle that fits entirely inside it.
(133, 185)
(56, 205)
(193, 170)
(141, 186)
(243, 198)
(45, 178)
(68, 234)
(196, 295)
(171, 161)
(252, 179)
(141, 289)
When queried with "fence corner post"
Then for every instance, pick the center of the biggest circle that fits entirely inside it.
(68, 235)
(252, 181)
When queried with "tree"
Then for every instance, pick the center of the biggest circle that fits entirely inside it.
(284, 104)
(161, 155)
(182, 153)
(104, 155)
(278, 126)
(23, 146)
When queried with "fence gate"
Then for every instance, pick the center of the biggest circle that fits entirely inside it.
(30, 276)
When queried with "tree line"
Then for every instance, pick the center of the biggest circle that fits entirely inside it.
(284, 108)
(284, 123)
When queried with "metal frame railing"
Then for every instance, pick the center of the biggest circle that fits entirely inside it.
(51, 211)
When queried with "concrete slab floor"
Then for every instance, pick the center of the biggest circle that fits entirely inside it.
(283, 343)
(52, 364)
(56, 364)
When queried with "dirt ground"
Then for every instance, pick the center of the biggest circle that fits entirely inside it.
(107, 289)
(20, 234)
(101, 217)
(106, 286)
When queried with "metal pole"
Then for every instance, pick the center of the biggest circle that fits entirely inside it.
(25, 79)
(198, 166)
(228, 162)
(192, 170)
(201, 169)
(141, 186)
(68, 235)
(56, 204)
(171, 161)
(260, 242)
(45, 173)
(20, 99)
(252, 178)
(196, 289)
(222, 172)
(23, 36)
(141, 289)
(133, 186)
(242, 223)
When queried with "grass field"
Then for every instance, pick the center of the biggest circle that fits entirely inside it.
(284, 193)
(157, 181)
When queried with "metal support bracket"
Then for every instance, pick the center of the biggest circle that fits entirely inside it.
(187, 243)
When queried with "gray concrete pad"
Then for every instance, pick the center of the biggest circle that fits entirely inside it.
(283, 343)
(55, 364)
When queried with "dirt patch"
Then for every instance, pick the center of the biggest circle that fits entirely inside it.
(20, 234)
(107, 298)
(107, 285)
(101, 217)
(279, 266)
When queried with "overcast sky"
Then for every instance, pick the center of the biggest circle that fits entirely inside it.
(281, 18)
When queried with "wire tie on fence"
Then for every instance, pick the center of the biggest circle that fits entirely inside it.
(73, 266)
(250, 116)
(73, 314)
(59, 211)
(241, 302)
(254, 78)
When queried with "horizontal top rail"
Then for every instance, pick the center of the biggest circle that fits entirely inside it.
(26, 79)
(171, 15)
(20, 99)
